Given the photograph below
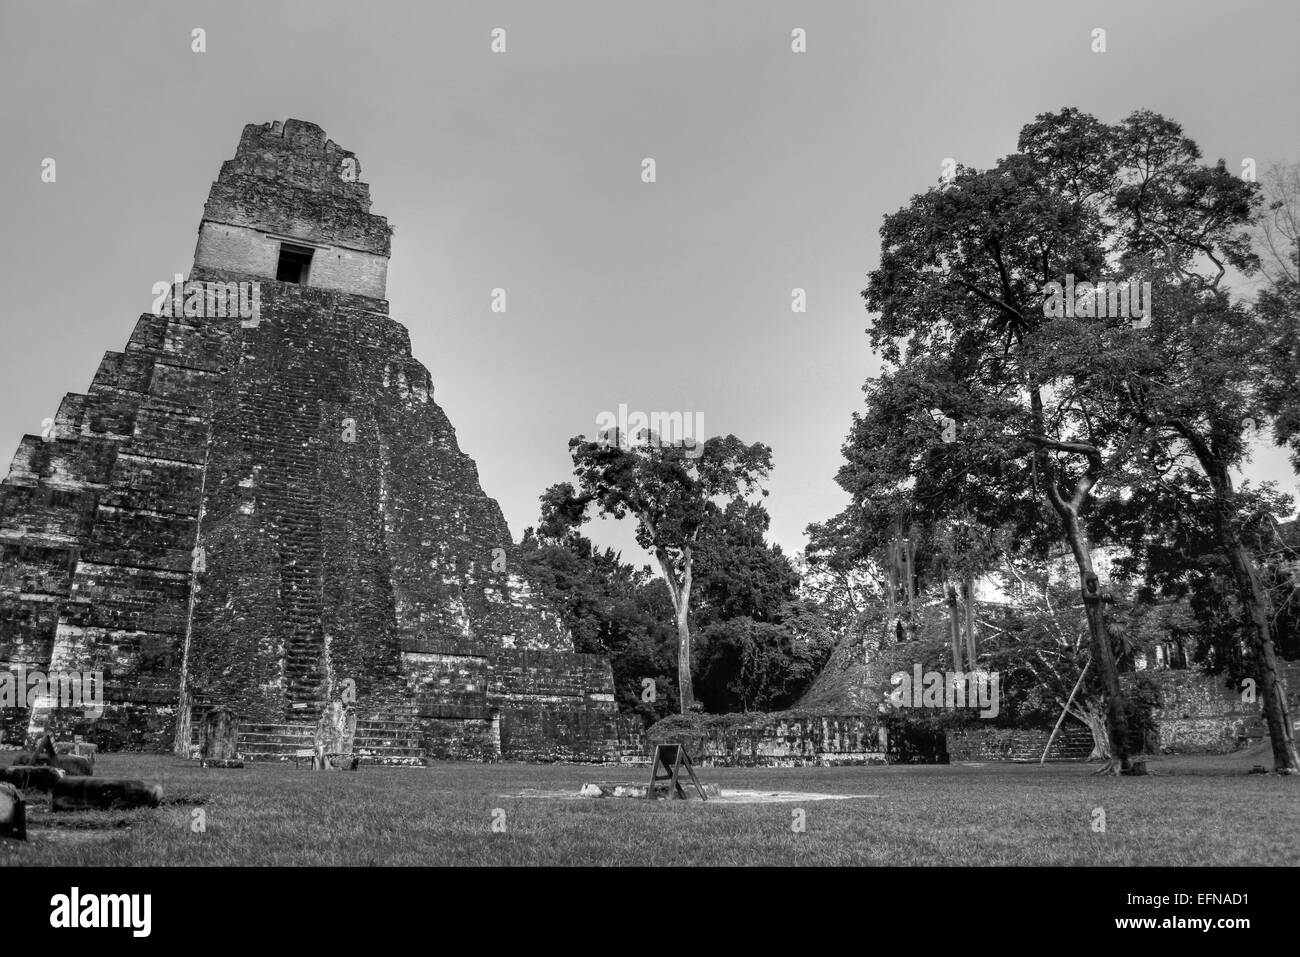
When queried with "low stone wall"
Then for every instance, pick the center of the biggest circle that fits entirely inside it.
(1200, 713)
(782, 739)
(1072, 743)
(549, 732)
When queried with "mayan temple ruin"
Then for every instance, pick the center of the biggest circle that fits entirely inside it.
(271, 515)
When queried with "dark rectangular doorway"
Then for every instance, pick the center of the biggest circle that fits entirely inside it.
(295, 262)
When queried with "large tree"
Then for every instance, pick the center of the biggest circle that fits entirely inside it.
(1040, 391)
(1196, 375)
(1278, 245)
(673, 494)
(961, 295)
(1201, 385)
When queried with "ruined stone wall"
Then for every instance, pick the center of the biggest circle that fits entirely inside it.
(290, 180)
(780, 739)
(98, 519)
(1072, 743)
(1200, 712)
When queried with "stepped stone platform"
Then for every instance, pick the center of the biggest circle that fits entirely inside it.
(1073, 743)
(269, 513)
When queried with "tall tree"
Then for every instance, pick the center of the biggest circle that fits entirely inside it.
(671, 491)
(1201, 388)
(969, 292)
(961, 293)
(1196, 378)
(1278, 246)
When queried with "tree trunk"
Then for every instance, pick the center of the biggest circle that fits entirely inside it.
(972, 647)
(909, 582)
(1256, 610)
(1097, 725)
(895, 579)
(1102, 652)
(680, 592)
(684, 683)
(954, 629)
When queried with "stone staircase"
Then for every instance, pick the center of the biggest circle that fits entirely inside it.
(1255, 731)
(390, 738)
(1073, 743)
(298, 507)
(305, 647)
(274, 742)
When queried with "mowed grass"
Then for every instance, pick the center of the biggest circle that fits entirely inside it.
(1188, 811)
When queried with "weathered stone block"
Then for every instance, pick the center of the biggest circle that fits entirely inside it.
(102, 794)
(228, 763)
(219, 739)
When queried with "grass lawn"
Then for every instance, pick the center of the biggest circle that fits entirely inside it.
(1188, 811)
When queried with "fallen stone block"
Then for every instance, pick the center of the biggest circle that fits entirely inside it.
(220, 763)
(102, 794)
(1138, 769)
(13, 813)
(32, 777)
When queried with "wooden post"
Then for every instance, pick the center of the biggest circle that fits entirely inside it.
(1068, 702)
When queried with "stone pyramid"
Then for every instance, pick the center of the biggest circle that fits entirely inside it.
(259, 506)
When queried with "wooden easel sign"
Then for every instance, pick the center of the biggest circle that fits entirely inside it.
(673, 759)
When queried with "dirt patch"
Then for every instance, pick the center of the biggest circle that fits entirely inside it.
(784, 797)
(727, 796)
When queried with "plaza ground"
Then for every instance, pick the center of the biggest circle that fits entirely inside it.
(1188, 811)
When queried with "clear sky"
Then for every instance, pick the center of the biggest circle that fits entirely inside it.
(522, 171)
